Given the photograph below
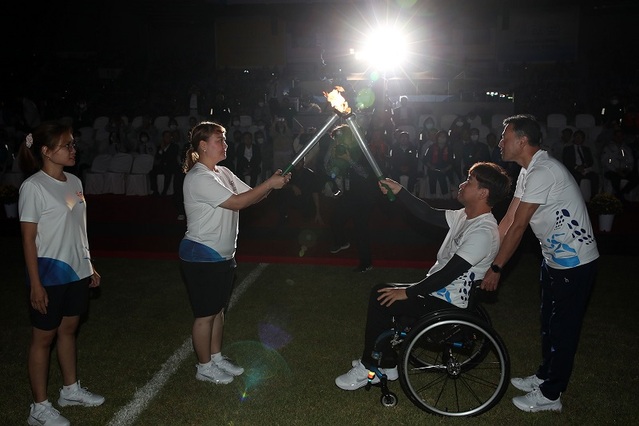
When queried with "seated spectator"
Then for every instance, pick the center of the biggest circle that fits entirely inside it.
(473, 119)
(403, 161)
(455, 145)
(427, 137)
(266, 148)
(176, 134)
(248, 159)
(439, 164)
(613, 111)
(282, 137)
(428, 131)
(473, 151)
(262, 112)
(146, 145)
(166, 164)
(557, 148)
(618, 164)
(147, 127)
(404, 114)
(579, 161)
(118, 124)
(115, 143)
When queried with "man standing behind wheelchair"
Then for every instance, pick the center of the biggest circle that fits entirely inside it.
(548, 198)
(467, 252)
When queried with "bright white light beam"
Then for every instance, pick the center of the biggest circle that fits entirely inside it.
(384, 48)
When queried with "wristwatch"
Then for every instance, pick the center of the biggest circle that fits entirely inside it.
(496, 268)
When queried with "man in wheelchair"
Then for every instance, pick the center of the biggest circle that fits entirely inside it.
(465, 255)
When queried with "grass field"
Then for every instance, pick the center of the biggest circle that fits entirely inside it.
(295, 328)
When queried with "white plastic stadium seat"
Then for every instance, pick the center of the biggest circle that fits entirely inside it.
(161, 122)
(137, 182)
(555, 123)
(94, 179)
(584, 121)
(13, 177)
(136, 123)
(101, 122)
(115, 177)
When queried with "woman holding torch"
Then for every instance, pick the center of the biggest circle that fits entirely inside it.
(213, 196)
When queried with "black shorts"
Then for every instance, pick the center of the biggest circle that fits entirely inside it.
(209, 285)
(66, 300)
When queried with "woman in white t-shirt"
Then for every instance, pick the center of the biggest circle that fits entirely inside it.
(58, 263)
(213, 196)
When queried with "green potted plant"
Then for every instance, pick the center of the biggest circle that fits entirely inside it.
(606, 206)
(605, 203)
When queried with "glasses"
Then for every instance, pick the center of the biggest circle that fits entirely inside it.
(69, 146)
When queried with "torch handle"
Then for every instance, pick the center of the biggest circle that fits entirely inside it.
(367, 153)
(389, 192)
(311, 143)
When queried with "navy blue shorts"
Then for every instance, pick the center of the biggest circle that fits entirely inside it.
(209, 285)
(66, 300)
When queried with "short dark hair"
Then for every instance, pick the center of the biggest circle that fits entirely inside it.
(494, 178)
(526, 125)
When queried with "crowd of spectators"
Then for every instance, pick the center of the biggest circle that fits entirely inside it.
(426, 153)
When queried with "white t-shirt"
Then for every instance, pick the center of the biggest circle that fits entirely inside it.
(474, 240)
(561, 222)
(211, 230)
(59, 210)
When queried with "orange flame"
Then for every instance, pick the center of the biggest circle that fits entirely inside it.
(337, 101)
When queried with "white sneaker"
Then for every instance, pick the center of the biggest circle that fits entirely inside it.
(227, 366)
(43, 414)
(212, 373)
(357, 377)
(536, 401)
(391, 373)
(526, 384)
(79, 396)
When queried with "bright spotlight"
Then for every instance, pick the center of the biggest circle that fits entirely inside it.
(384, 49)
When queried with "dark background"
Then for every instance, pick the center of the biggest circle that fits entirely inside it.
(139, 55)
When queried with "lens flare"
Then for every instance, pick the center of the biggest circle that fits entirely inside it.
(365, 98)
(406, 4)
(261, 363)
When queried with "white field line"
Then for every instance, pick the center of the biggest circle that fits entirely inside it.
(128, 414)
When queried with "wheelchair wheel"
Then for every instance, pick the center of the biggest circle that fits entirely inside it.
(389, 400)
(483, 314)
(454, 364)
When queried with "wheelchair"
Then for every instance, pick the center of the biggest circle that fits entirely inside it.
(450, 362)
